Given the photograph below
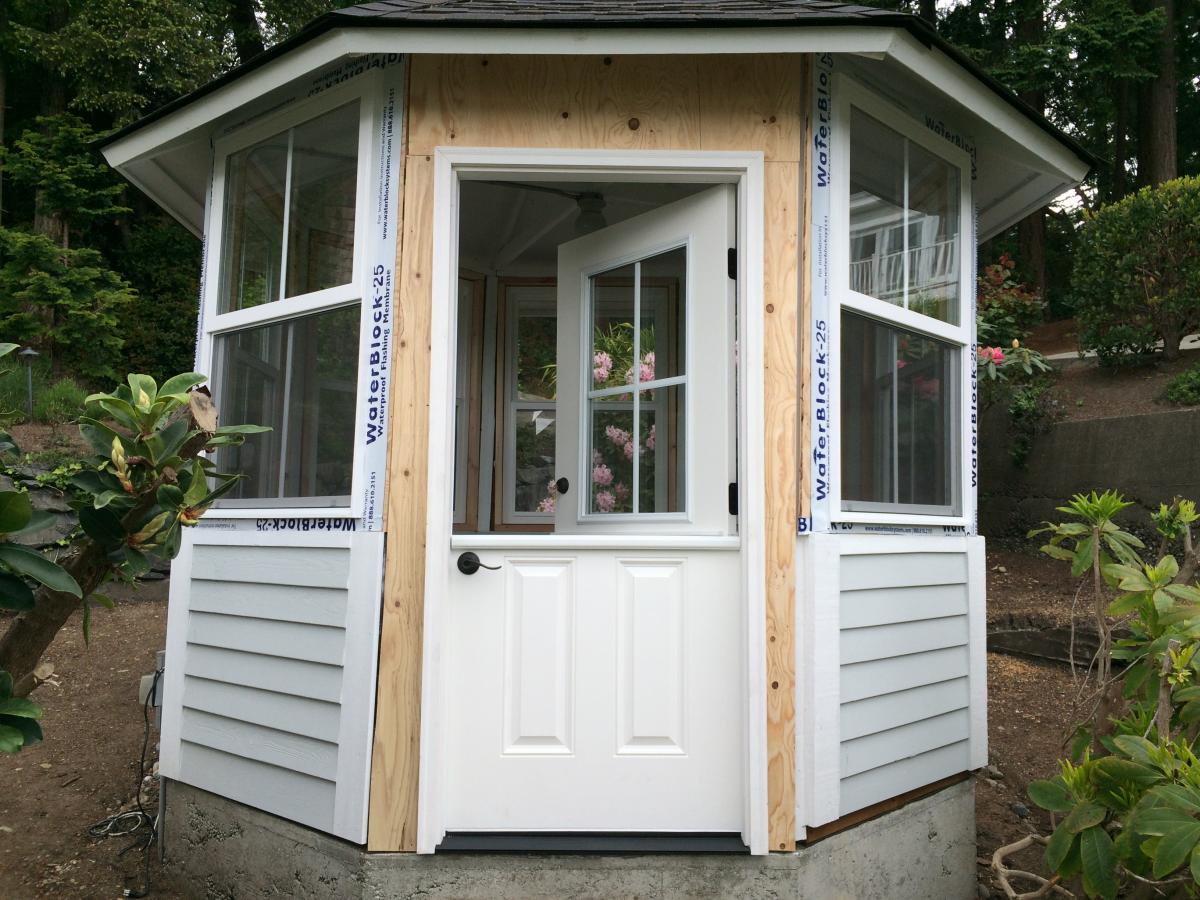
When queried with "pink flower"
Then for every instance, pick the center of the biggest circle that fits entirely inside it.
(547, 505)
(602, 475)
(605, 501)
(991, 354)
(997, 355)
(597, 459)
(619, 436)
(650, 438)
(621, 489)
(647, 370)
(629, 450)
(900, 363)
(601, 367)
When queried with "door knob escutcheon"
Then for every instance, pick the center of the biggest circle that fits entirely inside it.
(468, 563)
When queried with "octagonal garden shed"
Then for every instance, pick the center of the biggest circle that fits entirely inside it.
(620, 497)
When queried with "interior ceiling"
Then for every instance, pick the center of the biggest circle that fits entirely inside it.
(517, 226)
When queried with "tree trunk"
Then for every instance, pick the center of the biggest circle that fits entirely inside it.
(1031, 231)
(1120, 180)
(1157, 108)
(243, 22)
(928, 11)
(3, 90)
(53, 102)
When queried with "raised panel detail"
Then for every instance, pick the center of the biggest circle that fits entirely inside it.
(651, 681)
(539, 603)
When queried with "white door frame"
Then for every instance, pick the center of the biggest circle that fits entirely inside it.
(746, 171)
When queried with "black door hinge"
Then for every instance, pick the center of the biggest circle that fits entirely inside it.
(731, 262)
(733, 498)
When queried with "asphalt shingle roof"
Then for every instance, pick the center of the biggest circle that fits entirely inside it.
(610, 12)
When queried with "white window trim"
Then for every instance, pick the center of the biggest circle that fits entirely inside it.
(368, 90)
(850, 94)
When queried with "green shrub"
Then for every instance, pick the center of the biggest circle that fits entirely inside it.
(14, 389)
(1184, 388)
(61, 402)
(1137, 272)
(1007, 310)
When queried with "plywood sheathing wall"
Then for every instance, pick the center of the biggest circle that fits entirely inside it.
(617, 103)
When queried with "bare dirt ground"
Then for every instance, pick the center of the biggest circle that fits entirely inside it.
(87, 768)
(1033, 707)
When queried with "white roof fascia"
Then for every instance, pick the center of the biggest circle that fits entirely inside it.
(327, 48)
(952, 80)
(799, 38)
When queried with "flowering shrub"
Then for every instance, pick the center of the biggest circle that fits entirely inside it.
(1007, 310)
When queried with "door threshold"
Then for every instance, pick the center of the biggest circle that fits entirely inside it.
(591, 842)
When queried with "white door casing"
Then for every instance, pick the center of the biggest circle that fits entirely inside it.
(602, 690)
(440, 768)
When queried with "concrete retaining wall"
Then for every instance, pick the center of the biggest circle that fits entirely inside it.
(1150, 458)
(217, 848)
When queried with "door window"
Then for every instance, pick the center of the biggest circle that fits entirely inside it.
(636, 380)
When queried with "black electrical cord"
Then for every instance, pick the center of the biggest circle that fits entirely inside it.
(135, 820)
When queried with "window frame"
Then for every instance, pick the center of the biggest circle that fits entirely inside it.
(213, 324)
(850, 94)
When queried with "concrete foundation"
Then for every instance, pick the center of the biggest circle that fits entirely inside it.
(217, 848)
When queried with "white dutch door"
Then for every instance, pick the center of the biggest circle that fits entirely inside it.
(595, 680)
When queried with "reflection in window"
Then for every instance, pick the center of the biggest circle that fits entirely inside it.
(300, 378)
(904, 221)
(636, 436)
(899, 415)
(300, 183)
(532, 394)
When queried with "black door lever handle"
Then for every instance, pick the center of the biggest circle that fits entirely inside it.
(469, 564)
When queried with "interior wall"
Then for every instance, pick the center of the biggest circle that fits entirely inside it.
(753, 103)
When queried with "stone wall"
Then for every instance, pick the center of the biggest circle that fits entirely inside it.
(1150, 458)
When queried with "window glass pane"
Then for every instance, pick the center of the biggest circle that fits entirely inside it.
(612, 328)
(660, 456)
(876, 209)
(321, 213)
(299, 377)
(534, 433)
(612, 454)
(899, 417)
(905, 225)
(933, 229)
(662, 347)
(253, 224)
(536, 376)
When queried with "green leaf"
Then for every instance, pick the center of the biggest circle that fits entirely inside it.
(29, 728)
(1195, 864)
(7, 347)
(6, 685)
(170, 497)
(15, 510)
(15, 594)
(1175, 847)
(1184, 592)
(1179, 796)
(1051, 794)
(104, 600)
(242, 429)
(1085, 814)
(19, 706)
(11, 739)
(1099, 863)
(181, 384)
(104, 499)
(1081, 561)
(33, 564)
(1136, 748)
(39, 519)
(1115, 776)
(87, 623)
(103, 526)
(143, 391)
(1126, 603)
(1059, 847)
(1057, 552)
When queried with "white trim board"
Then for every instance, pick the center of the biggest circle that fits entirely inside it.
(744, 169)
